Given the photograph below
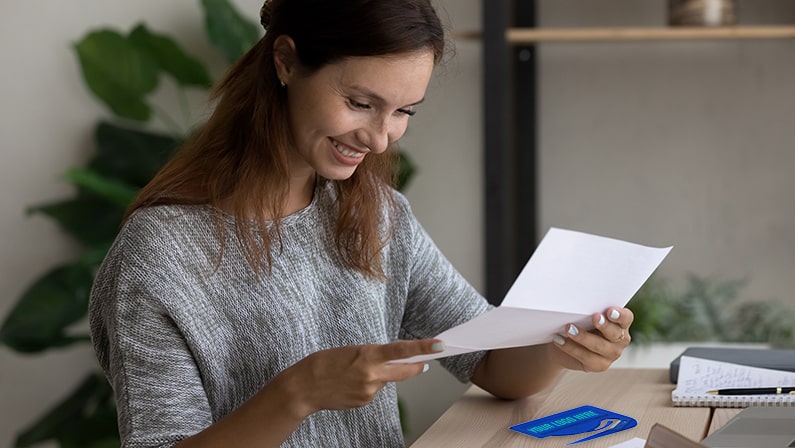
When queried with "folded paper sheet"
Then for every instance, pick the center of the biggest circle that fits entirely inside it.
(570, 276)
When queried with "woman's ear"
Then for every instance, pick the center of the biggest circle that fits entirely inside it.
(284, 58)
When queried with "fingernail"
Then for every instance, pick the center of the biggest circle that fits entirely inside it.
(558, 339)
(573, 330)
(601, 319)
(615, 314)
(426, 367)
(437, 346)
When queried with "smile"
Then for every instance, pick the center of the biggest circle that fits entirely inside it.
(345, 151)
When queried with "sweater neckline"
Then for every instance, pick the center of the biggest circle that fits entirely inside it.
(292, 219)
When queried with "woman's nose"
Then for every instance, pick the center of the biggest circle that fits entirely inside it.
(384, 131)
(379, 135)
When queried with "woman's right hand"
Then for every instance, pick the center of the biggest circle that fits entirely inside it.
(351, 376)
(337, 378)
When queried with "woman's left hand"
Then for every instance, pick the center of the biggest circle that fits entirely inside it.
(595, 350)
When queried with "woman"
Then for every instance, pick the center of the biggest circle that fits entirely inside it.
(267, 276)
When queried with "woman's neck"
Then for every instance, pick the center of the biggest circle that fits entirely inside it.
(302, 190)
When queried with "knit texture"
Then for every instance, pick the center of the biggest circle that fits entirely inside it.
(184, 344)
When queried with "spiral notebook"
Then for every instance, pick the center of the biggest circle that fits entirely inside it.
(698, 376)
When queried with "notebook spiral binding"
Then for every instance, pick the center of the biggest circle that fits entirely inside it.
(733, 401)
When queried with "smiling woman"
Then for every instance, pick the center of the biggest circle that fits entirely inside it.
(268, 276)
(270, 237)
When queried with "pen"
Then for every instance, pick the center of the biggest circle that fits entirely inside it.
(755, 391)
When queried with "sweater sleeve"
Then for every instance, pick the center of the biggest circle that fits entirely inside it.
(159, 393)
(439, 298)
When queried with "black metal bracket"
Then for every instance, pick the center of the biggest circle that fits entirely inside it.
(509, 146)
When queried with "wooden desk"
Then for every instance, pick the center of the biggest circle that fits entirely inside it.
(478, 419)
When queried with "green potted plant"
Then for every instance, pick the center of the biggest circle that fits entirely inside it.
(123, 71)
(708, 310)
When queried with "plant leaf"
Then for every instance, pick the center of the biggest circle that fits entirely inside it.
(406, 170)
(109, 442)
(130, 155)
(118, 73)
(92, 393)
(97, 428)
(186, 70)
(108, 188)
(92, 220)
(649, 305)
(53, 302)
(229, 31)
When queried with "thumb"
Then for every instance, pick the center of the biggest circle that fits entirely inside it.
(406, 349)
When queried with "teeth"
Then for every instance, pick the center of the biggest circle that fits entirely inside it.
(345, 151)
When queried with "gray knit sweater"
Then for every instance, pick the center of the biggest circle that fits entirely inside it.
(184, 344)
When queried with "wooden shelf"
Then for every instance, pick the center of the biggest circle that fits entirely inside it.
(537, 35)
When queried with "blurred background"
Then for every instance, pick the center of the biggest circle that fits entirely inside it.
(683, 143)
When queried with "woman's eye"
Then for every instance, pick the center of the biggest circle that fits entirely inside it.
(359, 105)
(409, 112)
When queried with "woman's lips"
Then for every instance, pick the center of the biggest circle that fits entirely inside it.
(346, 154)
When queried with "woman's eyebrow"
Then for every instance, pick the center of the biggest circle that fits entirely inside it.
(369, 93)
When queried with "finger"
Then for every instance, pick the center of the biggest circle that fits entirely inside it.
(402, 372)
(610, 331)
(598, 343)
(621, 316)
(582, 354)
(407, 349)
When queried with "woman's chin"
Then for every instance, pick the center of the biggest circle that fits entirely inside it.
(337, 173)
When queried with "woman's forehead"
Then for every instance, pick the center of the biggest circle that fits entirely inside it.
(386, 76)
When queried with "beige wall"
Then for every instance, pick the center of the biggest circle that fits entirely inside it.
(46, 120)
(686, 143)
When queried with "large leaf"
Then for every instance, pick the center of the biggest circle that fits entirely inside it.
(229, 31)
(118, 73)
(98, 429)
(130, 155)
(185, 69)
(113, 442)
(88, 409)
(54, 302)
(114, 190)
(92, 220)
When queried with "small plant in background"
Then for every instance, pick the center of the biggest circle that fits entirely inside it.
(708, 310)
(769, 322)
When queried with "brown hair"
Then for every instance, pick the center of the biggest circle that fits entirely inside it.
(239, 157)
